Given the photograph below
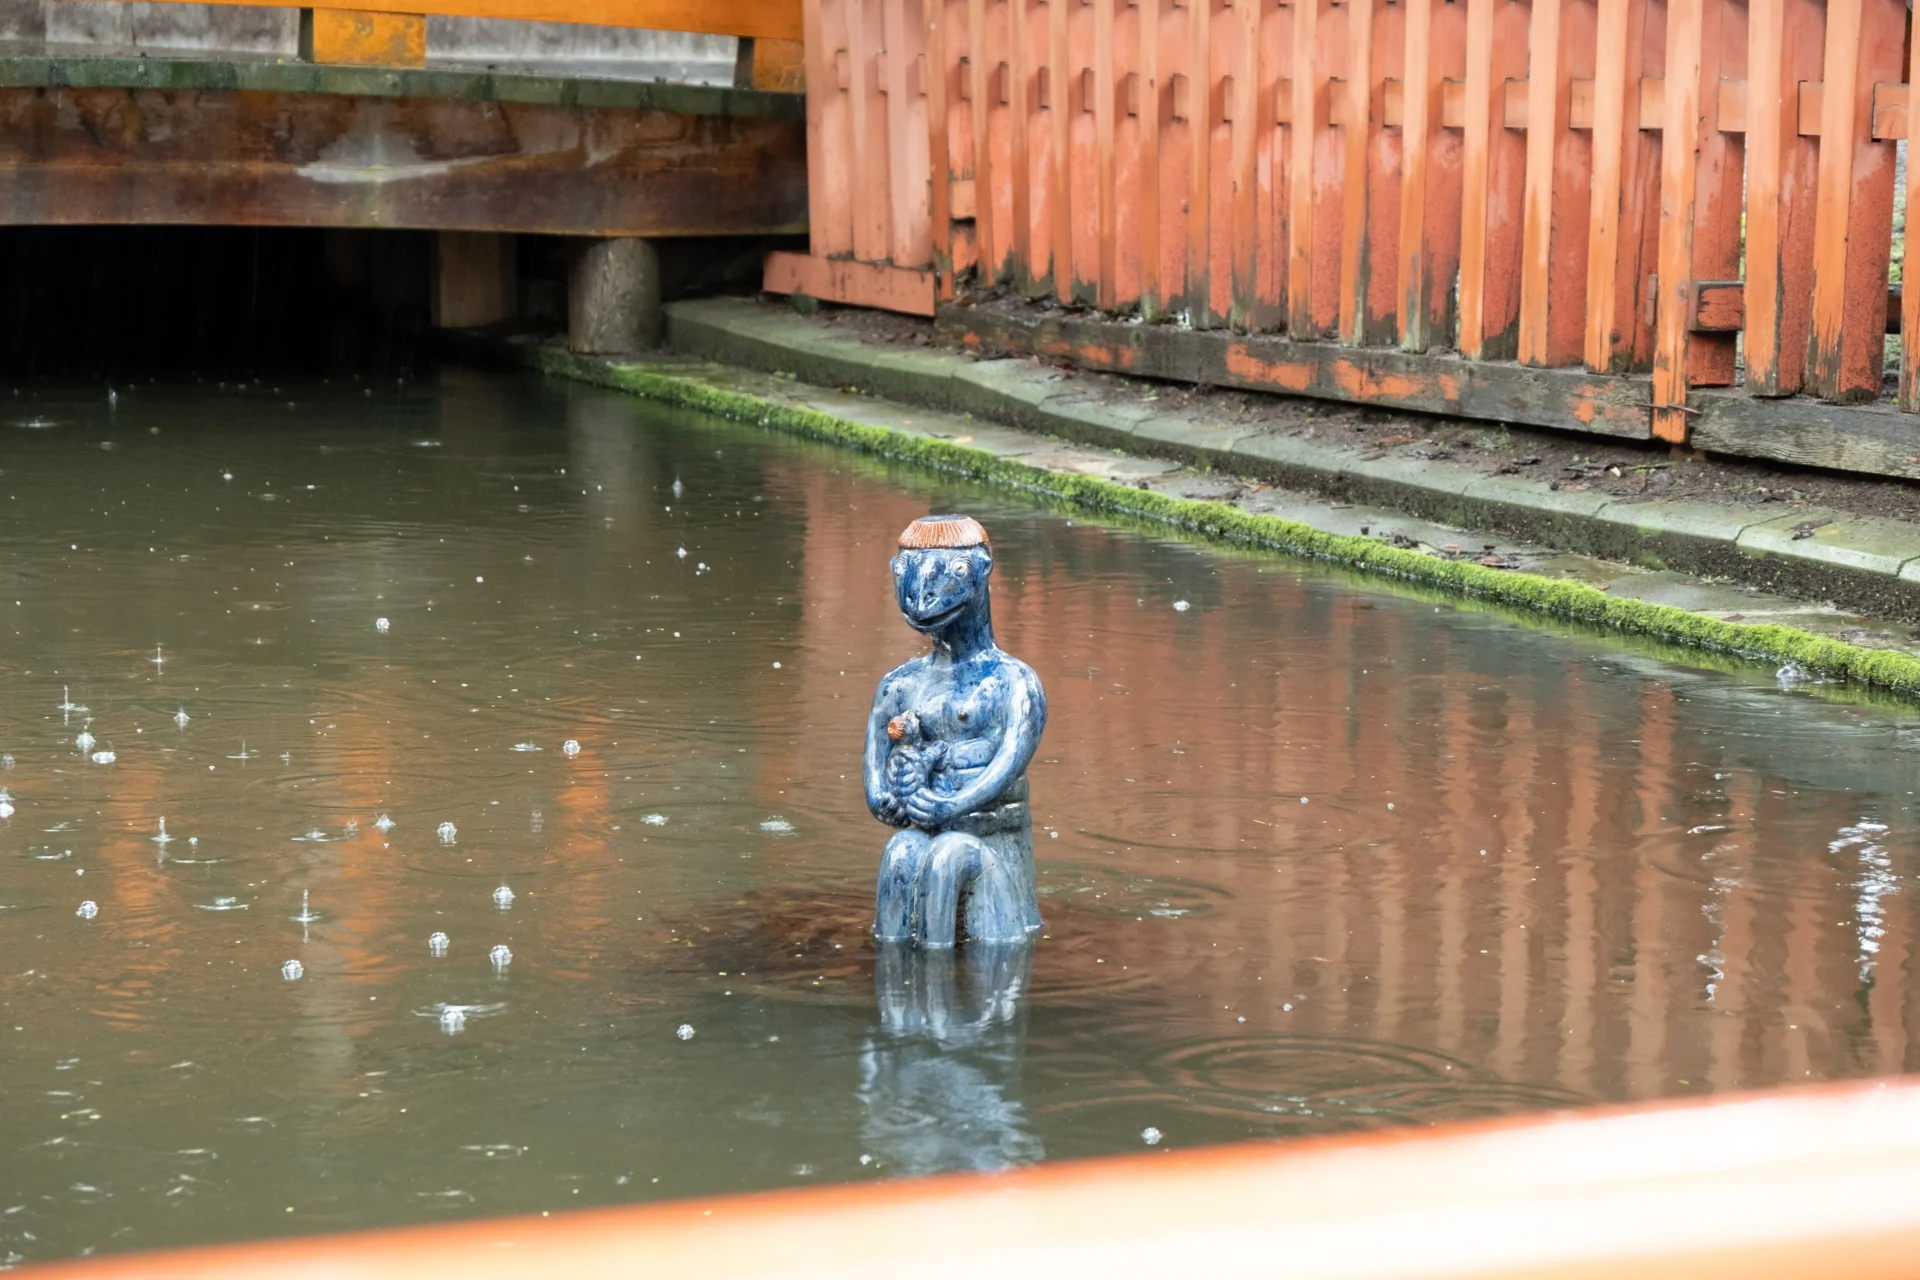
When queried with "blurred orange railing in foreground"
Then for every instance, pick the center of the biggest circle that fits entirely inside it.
(1799, 1183)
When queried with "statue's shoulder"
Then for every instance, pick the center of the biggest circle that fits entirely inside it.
(908, 670)
(1013, 671)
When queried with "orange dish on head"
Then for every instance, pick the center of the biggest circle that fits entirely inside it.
(942, 532)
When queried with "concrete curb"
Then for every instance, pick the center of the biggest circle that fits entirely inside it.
(1859, 562)
(1021, 462)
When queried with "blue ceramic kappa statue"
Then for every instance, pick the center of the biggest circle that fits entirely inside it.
(948, 743)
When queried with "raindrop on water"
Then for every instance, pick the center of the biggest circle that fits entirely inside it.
(682, 553)
(1151, 1136)
(84, 741)
(181, 717)
(453, 1021)
(678, 488)
(1181, 606)
(571, 747)
(503, 897)
(163, 838)
(381, 624)
(88, 909)
(292, 970)
(6, 804)
(383, 824)
(103, 757)
(778, 826)
(437, 944)
(655, 819)
(685, 1031)
(500, 955)
(447, 831)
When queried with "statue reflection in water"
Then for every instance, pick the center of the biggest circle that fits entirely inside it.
(940, 1075)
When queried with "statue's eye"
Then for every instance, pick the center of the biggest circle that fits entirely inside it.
(961, 568)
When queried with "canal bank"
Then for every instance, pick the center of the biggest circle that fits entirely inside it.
(1820, 590)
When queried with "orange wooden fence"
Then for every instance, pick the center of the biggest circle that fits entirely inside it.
(1697, 190)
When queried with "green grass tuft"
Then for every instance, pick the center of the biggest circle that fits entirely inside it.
(1890, 670)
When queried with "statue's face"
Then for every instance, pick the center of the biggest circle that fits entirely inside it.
(935, 585)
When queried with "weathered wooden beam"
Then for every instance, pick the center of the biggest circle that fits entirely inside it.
(285, 159)
(771, 19)
(1570, 399)
(1719, 306)
(475, 279)
(855, 283)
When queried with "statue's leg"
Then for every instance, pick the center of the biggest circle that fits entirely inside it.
(954, 862)
(1000, 905)
(900, 867)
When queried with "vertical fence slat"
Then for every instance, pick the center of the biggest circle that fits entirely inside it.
(1910, 287)
(866, 39)
(986, 239)
(1786, 43)
(1270, 210)
(939, 147)
(1104, 103)
(1200, 97)
(1355, 187)
(1719, 174)
(1492, 182)
(1616, 84)
(1152, 114)
(829, 206)
(1060, 179)
(1308, 118)
(1026, 271)
(1430, 188)
(1685, 35)
(1853, 219)
(1553, 275)
(910, 241)
(1249, 125)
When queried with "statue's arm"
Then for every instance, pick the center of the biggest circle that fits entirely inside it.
(1026, 719)
(881, 801)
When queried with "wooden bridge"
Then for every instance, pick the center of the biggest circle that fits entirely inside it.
(361, 128)
(1667, 219)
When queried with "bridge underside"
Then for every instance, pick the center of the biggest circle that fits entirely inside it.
(150, 141)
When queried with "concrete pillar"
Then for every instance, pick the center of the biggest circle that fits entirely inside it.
(476, 279)
(613, 300)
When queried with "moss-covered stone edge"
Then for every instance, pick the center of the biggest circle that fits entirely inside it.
(1890, 670)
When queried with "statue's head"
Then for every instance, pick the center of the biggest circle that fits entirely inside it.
(940, 572)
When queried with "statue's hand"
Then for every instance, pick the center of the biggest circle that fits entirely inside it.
(929, 810)
(889, 809)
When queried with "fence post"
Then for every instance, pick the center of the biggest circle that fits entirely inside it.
(1492, 169)
(1785, 47)
(1853, 218)
(1430, 190)
(1624, 225)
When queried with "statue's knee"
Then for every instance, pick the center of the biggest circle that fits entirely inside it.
(904, 851)
(954, 854)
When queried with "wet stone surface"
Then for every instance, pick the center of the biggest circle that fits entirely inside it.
(1315, 854)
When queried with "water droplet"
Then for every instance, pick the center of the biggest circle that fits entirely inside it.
(678, 488)
(655, 819)
(84, 742)
(88, 909)
(307, 914)
(381, 624)
(682, 553)
(539, 820)
(1181, 606)
(453, 1021)
(6, 762)
(571, 747)
(777, 826)
(525, 746)
(163, 838)
(500, 955)
(103, 757)
(437, 944)
(292, 970)
(446, 831)
(685, 1031)
(383, 824)
(181, 717)
(1151, 1136)
(6, 804)
(1303, 799)
(503, 897)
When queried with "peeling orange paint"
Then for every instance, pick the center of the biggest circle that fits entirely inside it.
(1289, 375)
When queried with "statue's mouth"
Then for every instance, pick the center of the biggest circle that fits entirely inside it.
(932, 622)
